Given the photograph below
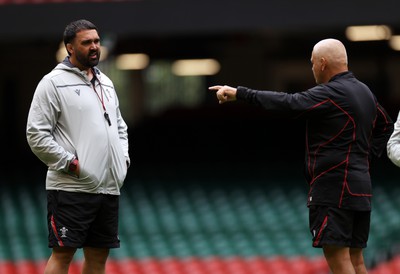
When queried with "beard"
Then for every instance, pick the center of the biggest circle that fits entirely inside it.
(88, 60)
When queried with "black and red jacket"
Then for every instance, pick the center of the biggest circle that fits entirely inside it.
(346, 126)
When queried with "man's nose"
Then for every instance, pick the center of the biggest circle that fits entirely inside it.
(94, 45)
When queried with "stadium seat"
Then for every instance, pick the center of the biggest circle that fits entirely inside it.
(188, 227)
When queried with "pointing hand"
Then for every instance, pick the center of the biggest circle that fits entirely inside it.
(224, 93)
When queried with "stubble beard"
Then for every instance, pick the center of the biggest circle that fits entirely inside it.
(86, 60)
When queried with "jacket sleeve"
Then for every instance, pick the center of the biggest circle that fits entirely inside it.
(42, 120)
(292, 105)
(123, 134)
(393, 145)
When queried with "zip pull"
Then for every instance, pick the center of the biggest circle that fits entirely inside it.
(107, 118)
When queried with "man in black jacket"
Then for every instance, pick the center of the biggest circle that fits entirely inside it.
(346, 127)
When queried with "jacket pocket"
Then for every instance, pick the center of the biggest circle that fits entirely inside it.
(119, 169)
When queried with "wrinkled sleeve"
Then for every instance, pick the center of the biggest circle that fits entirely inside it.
(42, 120)
(293, 105)
(123, 134)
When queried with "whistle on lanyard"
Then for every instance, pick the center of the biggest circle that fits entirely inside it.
(107, 118)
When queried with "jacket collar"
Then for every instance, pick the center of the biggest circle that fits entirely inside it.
(342, 74)
(66, 62)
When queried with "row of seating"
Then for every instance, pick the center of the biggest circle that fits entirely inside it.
(189, 265)
(215, 265)
(189, 219)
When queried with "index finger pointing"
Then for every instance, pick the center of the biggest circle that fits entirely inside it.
(215, 87)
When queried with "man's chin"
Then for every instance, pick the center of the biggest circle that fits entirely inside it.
(94, 63)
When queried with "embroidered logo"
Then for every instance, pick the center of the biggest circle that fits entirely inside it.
(63, 231)
(78, 91)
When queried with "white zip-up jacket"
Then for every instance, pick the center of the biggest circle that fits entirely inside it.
(393, 145)
(66, 121)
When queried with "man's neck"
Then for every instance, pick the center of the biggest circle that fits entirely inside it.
(79, 66)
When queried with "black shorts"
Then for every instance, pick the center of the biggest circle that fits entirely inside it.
(82, 219)
(339, 227)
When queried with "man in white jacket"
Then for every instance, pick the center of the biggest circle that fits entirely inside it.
(393, 145)
(75, 127)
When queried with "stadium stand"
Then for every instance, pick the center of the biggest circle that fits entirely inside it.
(182, 226)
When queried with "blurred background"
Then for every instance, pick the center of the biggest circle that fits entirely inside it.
(212, 188)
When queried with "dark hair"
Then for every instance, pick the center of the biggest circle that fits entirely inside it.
(74, 27)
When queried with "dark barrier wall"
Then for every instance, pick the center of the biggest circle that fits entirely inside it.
(209, 135)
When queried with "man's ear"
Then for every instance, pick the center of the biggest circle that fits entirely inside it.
(323, 63)
(69, 48)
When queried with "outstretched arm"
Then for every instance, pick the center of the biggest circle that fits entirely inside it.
(224, 93)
